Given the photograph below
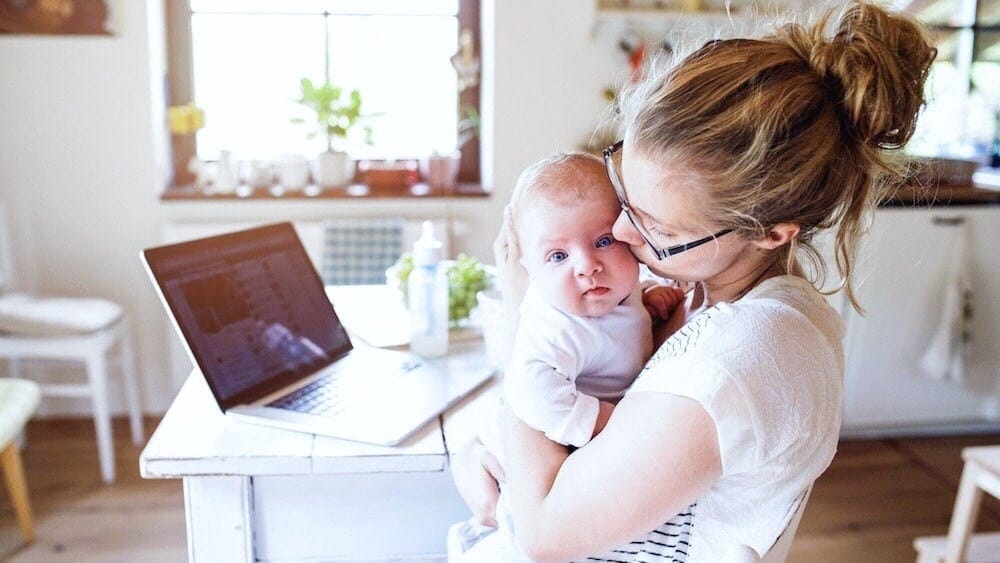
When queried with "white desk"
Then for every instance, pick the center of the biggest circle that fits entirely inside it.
(253, 493)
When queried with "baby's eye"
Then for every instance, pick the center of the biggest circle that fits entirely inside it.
(606, 240)
(557, 256)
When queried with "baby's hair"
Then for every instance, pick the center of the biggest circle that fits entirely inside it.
(793, 127)
(561, 178)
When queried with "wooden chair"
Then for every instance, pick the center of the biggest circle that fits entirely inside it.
(981, 473)
(77, 329)
(18, 401)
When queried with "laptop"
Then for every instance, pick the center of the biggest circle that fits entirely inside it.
(253, 315)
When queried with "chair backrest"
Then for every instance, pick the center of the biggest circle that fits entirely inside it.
(783, 545)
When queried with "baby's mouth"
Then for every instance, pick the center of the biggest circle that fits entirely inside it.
(596, 291)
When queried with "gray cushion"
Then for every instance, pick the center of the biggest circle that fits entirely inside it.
(26, 315)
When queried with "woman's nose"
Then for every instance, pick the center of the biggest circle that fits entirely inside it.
(624, 230)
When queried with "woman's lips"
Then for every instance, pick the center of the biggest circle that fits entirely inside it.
(596, 291)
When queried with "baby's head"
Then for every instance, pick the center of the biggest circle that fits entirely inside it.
(563, 208)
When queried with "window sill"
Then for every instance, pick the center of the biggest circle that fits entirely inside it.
(354, 191)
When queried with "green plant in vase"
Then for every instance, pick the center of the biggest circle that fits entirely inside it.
(338, 117)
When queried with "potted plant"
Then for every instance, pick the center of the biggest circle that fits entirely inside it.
(338, 116)
(440, 169)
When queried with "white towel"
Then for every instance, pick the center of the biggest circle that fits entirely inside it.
(948, 349)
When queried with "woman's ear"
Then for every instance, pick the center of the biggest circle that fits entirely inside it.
(778, 236)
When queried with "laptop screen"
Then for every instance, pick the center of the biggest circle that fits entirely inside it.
(252, 309)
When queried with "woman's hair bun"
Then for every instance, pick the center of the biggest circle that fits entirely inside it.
(876, 64)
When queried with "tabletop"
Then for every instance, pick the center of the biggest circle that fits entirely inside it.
(196, 438)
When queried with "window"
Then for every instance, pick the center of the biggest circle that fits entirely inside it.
(963, 89)
(241, 61)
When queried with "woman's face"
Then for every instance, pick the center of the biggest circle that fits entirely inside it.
(667, 200)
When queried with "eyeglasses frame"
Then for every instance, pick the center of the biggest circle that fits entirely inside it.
(616, 182)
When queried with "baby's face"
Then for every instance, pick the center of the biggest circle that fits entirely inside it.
(571, 257)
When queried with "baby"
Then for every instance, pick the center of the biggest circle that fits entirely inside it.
(583, 334)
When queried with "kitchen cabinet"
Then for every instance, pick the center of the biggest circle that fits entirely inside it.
(905, 263)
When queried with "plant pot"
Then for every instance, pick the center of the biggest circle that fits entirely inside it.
(333, 169)
(440, 171)
(388, 178)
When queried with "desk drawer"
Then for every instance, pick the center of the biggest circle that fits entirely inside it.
(372, 516)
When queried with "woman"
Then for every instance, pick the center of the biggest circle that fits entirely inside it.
(730, 164)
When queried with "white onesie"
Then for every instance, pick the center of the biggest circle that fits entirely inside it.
(561, 366)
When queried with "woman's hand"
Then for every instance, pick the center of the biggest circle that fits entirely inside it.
(512, 277)
(477, 474)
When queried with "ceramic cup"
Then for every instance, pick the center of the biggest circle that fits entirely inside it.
(293, 172)
(258, 174)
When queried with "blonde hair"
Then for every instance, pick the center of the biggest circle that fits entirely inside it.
(792, 127)
(562, 178)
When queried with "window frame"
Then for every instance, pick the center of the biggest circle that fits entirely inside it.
(966, 53)
(180, 87)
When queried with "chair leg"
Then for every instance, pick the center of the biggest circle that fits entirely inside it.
(13, 476)
(131, 390)
(97, 374)
(963, 517)
(14, 367)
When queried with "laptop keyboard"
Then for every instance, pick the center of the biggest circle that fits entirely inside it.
(322, 397)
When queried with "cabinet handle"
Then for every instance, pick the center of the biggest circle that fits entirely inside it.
(949, 221)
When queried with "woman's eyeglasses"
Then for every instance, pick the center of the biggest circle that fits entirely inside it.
(616, 181)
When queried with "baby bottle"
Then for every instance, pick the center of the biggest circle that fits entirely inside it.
(427, 289)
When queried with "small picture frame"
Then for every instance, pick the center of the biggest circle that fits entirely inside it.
(56, 17)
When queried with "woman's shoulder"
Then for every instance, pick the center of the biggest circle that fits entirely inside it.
(781, 311)
(767, 368)
(781, 343)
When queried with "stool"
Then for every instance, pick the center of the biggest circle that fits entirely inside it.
(981, 473)
(18, 401)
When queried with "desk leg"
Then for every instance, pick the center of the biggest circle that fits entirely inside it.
(963, 518)
(218, 514)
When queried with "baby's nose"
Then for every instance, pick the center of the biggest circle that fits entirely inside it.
(588, 265)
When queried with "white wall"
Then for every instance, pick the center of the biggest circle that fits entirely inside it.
(78, 168)
(81, 128)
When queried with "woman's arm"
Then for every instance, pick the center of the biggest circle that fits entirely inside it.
(657, 455)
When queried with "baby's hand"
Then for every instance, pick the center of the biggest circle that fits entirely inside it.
(661, 300)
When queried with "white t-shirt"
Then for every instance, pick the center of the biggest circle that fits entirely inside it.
(769, 370)
(563, 364)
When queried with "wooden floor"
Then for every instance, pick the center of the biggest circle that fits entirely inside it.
(875, 498)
